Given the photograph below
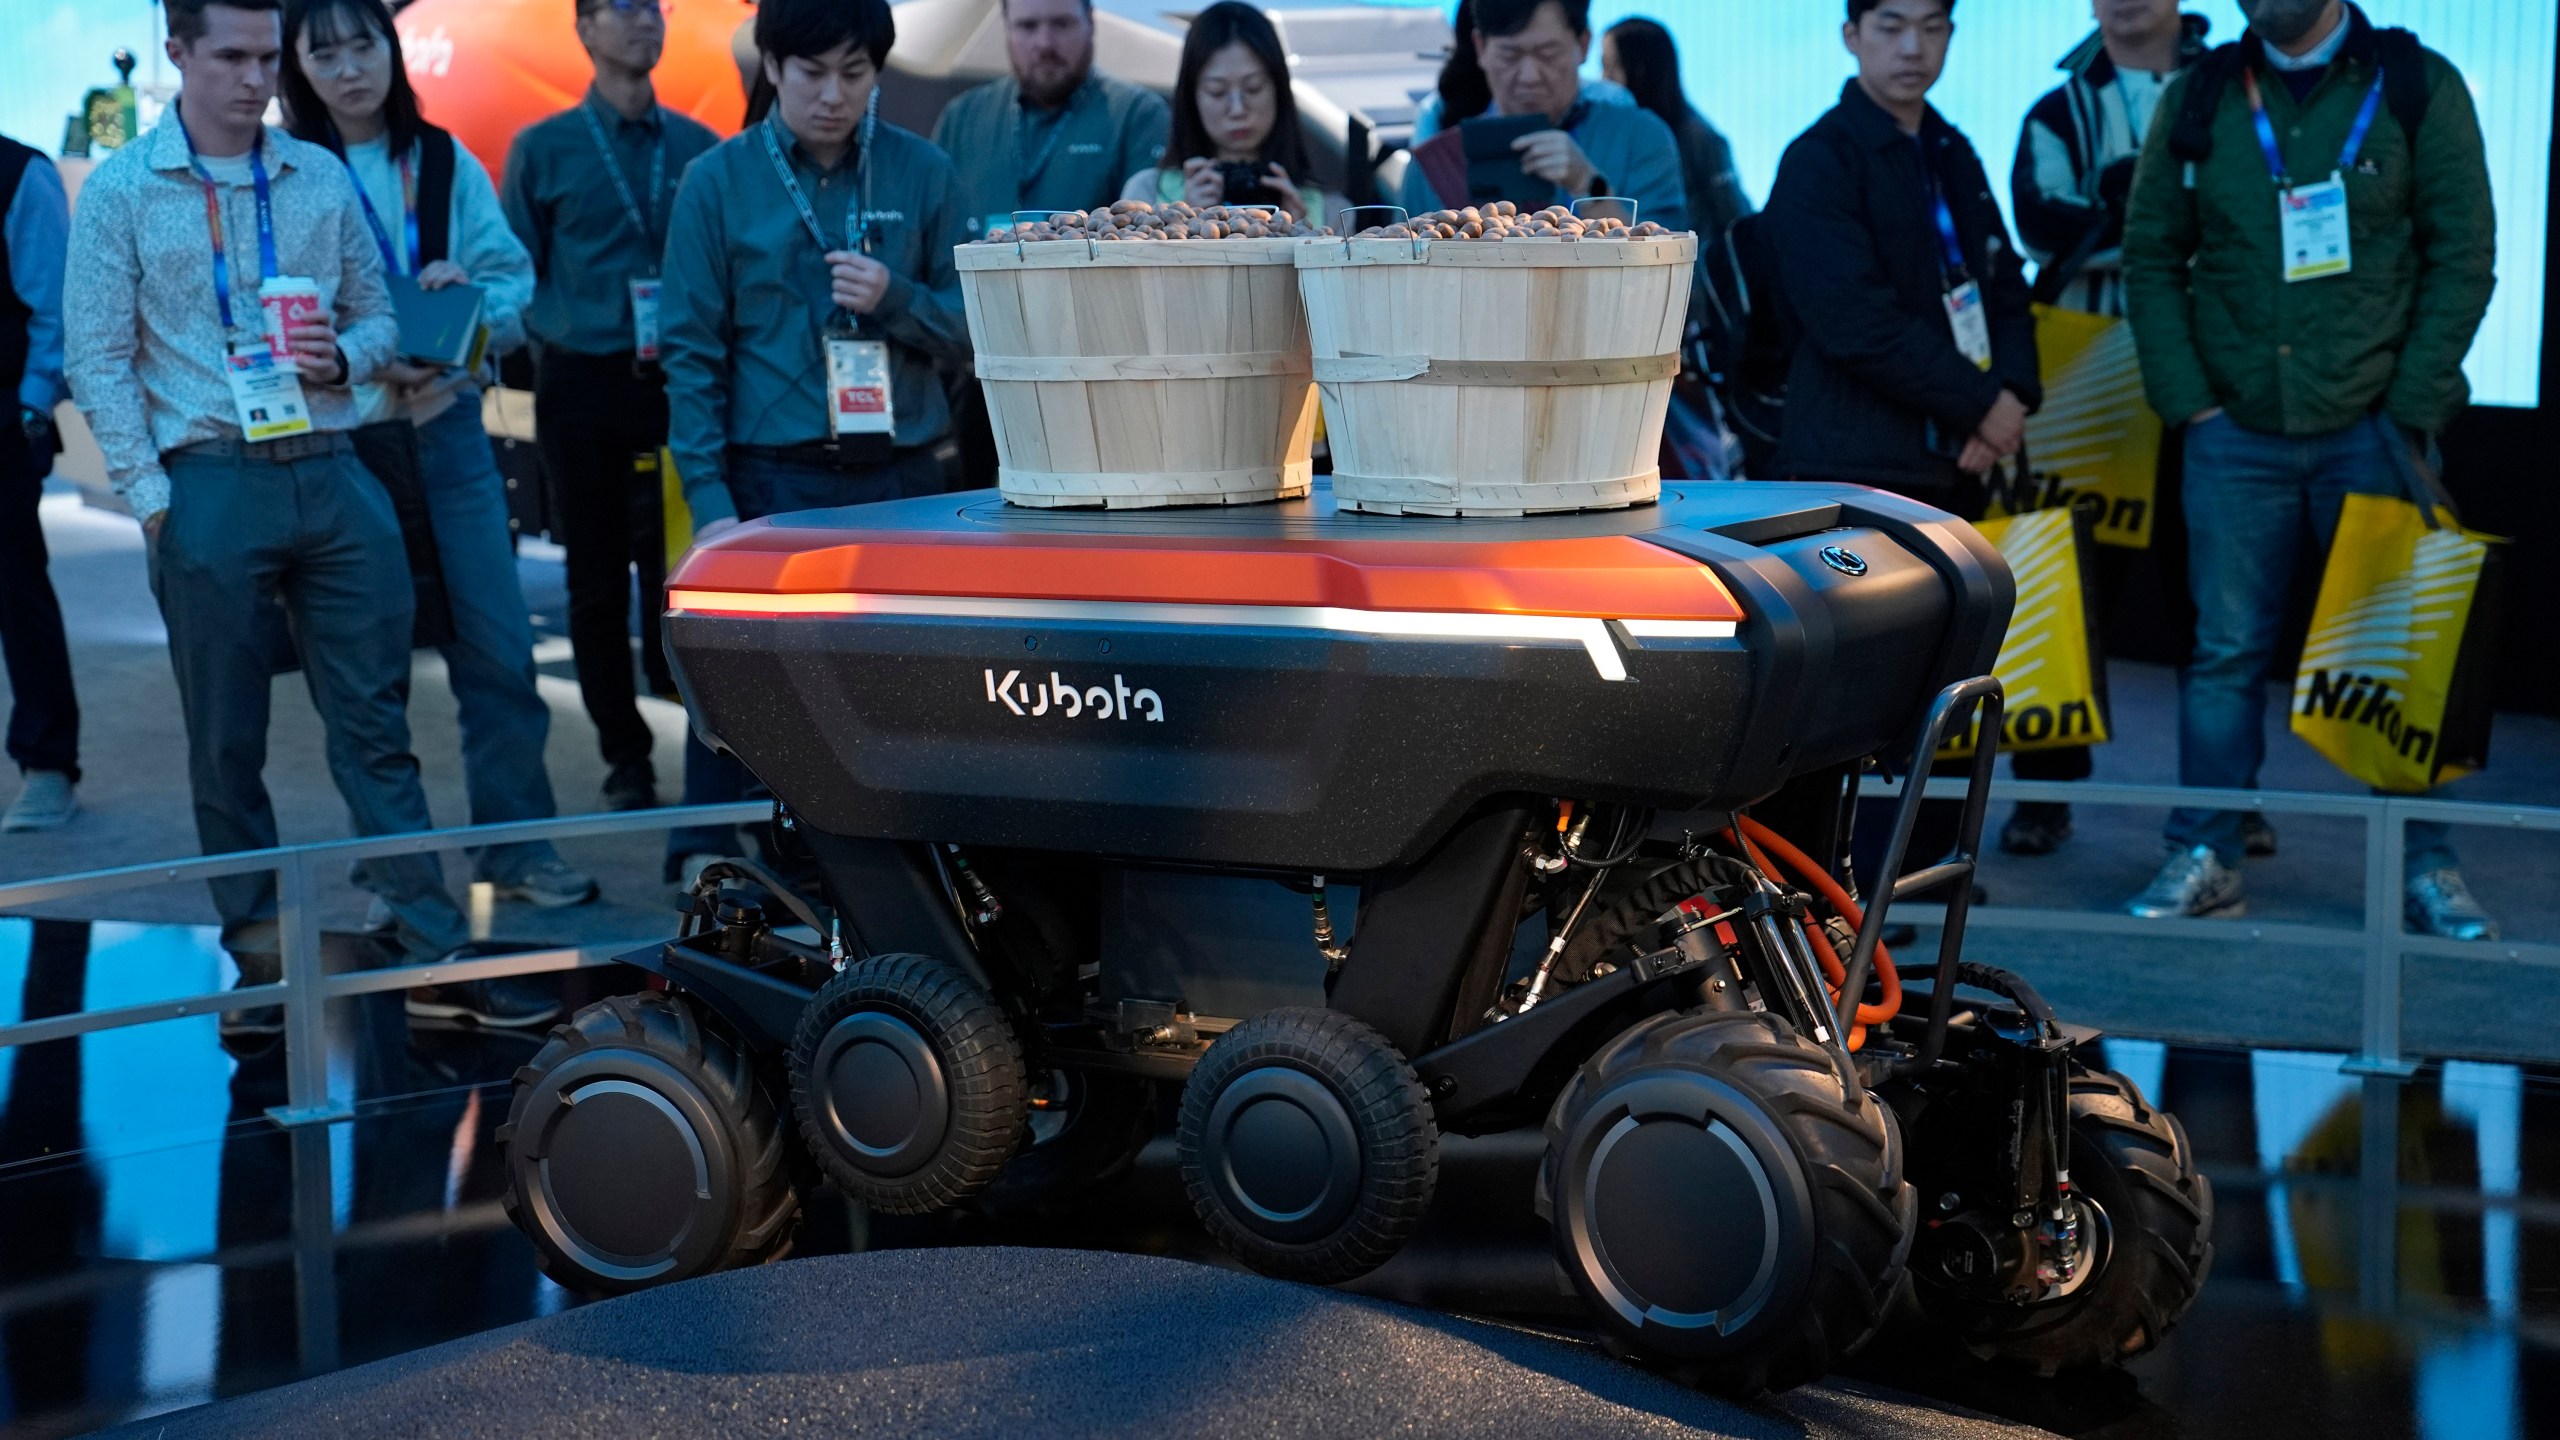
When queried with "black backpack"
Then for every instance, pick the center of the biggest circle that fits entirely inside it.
(1743, 340)
(2405, 88)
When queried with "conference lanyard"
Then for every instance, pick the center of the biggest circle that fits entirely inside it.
(621, 184)
(213, 221)
(1024, 174)
(2267, 128)
(854, 238)
(1950, 247)
(408, 208)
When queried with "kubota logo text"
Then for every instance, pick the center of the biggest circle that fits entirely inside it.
(1040, 697)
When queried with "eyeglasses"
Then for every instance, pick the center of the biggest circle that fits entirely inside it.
(636, 9)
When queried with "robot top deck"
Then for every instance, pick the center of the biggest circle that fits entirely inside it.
(1293, 687)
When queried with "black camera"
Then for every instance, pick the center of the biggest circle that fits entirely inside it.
(1246, 185)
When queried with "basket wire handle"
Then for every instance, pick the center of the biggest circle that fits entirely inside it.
(1630, 217)
(1342, 217)
(1016, 218)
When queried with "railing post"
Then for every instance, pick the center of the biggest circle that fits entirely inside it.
(2378, 1198)
(306, 1005)
(315, 1250)
(2386, 843)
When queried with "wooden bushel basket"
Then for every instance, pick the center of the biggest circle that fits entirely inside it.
(1496, 377)
(1130, 373)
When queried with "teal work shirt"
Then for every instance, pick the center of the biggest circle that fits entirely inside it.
(1013, 156)
(1632, 150)
(749, 296)
(565, 209)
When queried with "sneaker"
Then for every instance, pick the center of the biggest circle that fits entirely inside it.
(2036, 828)
(247, 1034)
(2438, 903)
(550, 884)
(489, 1004)
(2193, 882)
(379, 918)
(2257, 837)
(47, 801)
(631, 787)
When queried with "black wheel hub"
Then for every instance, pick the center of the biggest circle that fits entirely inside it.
(1282, 1154)
(1684, 1208)
(882, 1100)
(631, 1173)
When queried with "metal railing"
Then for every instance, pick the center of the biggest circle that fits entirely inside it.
(2382, 939)
(306, 987)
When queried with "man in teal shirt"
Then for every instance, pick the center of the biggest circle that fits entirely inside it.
(808, 262)
(1053, 135)
(587, 191)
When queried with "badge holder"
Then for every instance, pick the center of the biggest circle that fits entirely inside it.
(1972, 325)
(646, 296)
(2318, 240)
(266, 393)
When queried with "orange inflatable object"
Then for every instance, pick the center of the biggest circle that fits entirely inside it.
(485, 69)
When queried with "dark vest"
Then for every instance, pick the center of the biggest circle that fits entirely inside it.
(14, 314)
(435, 189)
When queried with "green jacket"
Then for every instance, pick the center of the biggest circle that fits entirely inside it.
(2213, 317)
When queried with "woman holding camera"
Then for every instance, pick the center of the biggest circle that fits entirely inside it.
(1235, 138)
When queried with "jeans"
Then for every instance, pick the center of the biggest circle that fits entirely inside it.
(593, 414)
(761, 487)
(504, 720)
(320, 533)
(2255, 503)
(44, 714)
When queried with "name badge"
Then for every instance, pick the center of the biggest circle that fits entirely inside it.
(2317, 239)
(644, 318)
(266, 393)
(1972, 326)
(858, 398)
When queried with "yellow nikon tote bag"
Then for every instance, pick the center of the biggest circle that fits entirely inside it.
(2394, 686)
(2095, 442)
(2049, 661)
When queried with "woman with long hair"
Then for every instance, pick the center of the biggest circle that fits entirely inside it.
(436, 219)
(1639, 54)
(1235, 137)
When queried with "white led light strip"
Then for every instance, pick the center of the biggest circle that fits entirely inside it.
(1591, 634)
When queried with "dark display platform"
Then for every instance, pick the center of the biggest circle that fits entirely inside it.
(1008, 1342)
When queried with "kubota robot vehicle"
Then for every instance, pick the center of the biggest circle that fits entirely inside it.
(1362, 830)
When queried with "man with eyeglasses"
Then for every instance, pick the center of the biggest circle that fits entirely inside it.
(589, 191)
(1532, 53)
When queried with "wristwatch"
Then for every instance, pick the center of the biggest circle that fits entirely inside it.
(37, 426)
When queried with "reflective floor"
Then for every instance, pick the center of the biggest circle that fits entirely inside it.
(2388, 1253)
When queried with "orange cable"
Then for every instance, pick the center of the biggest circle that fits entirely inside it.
(1890, 1004)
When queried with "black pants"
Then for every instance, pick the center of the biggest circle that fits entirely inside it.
(44, 722)
(595, 416)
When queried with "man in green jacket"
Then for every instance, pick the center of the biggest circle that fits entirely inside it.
(2306, 260)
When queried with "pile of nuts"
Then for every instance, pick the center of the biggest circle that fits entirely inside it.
(1502, 220)
(1181, 220)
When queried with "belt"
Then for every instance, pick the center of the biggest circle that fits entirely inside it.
(859, 454)
(277, 452)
